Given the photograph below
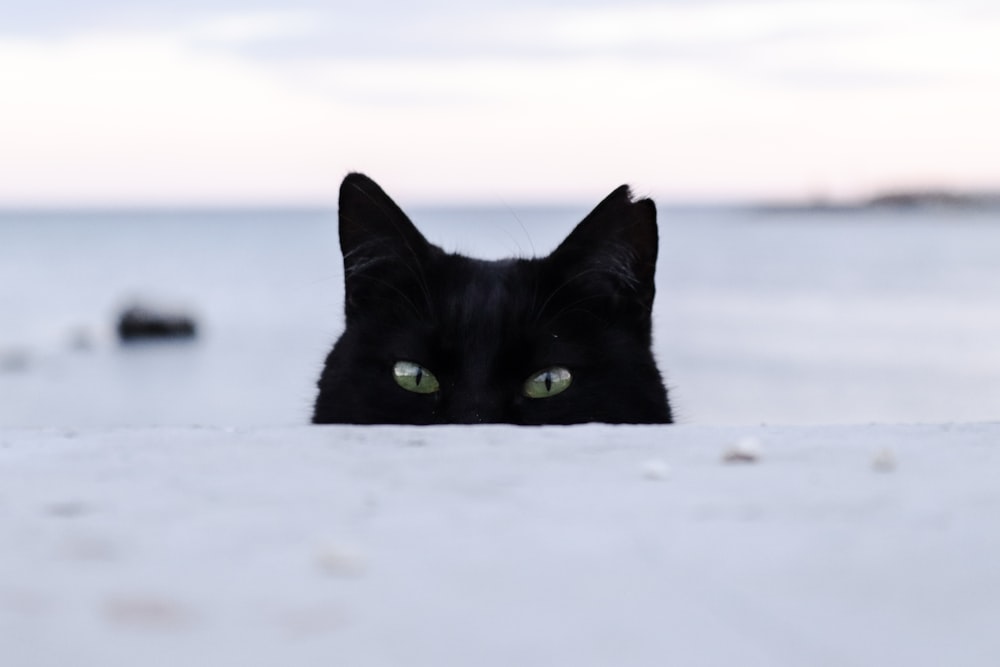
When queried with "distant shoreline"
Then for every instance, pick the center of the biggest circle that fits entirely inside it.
(900, 200)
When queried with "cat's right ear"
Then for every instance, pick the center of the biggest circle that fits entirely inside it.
(372, 227)
(381, 247)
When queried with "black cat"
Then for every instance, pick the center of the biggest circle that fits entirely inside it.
(438, 338)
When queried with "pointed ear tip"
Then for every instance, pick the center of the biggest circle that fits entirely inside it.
(626, 192)
(355, 176)
(623, 192)
(356, 181)
(644, 206)
(647, 206)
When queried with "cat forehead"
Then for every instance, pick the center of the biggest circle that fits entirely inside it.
(476, 292)
(484, 271)
(482, 280)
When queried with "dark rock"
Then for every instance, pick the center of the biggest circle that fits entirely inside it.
(82, 340)
(139, 322)
(14, 360)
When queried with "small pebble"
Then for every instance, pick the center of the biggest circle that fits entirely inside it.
(884, 461)
(655, 469)
(341, 561)
(69, 509)
(81, 340)
(146, 612)
(746, 450)
(14, 361)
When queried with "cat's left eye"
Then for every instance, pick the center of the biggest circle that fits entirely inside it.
(414, 377)
(547, 383)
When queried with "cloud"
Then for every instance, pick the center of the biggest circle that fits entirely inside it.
(811, 44)
(757, 37)
(62, 17)
(253, 27)
(111, 118)
(255, 104)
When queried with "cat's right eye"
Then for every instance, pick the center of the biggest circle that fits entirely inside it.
(414, 377)
(547, 383)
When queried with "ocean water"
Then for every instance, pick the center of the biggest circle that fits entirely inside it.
(761, 317)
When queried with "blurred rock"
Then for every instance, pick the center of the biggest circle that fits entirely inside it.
(884, 461)
(141, 322)
(82, 339)
(14, 360)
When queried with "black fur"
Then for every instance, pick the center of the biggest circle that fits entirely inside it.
(484, 327)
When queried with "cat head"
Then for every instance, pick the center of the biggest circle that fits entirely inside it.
(433, 337)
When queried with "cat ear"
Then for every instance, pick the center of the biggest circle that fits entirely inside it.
(373, 229)
(382, 249)
(619, 240)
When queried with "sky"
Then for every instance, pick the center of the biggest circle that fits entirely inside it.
(224, 102)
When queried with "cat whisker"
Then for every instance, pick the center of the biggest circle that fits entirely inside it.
(517, 219)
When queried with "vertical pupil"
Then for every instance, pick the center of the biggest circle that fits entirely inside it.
(548, 381)
(420, 375)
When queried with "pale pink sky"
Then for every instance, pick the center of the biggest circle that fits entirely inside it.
(224, 103)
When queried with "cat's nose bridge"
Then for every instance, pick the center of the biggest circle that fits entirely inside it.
(470, 417)
(475, 407)
(474, 396)
(474, 414)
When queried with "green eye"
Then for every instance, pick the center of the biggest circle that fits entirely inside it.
(414, 377)
(549, 382)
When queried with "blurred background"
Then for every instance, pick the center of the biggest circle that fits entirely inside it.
(825, 172)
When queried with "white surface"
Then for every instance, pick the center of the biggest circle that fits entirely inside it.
(500, 546)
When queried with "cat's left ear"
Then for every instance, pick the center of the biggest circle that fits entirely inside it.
(371, 224)
(619, 240)
(378, 241)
